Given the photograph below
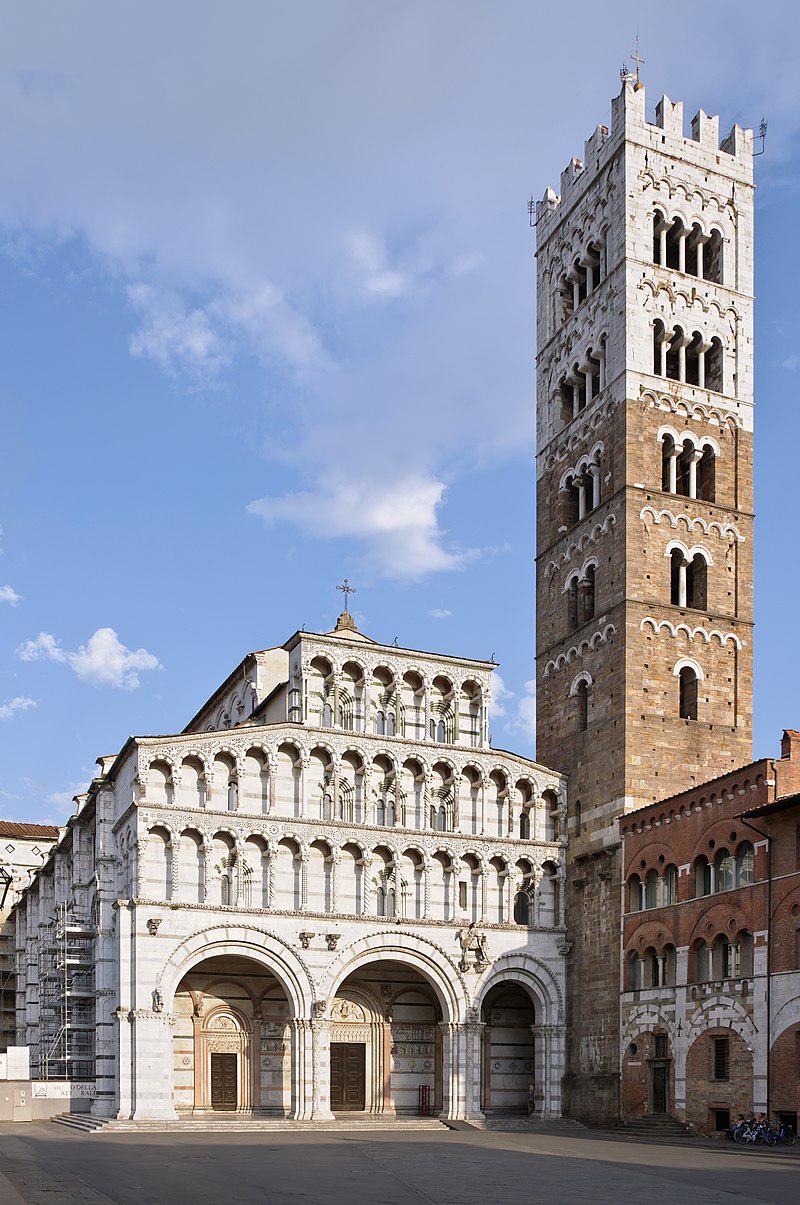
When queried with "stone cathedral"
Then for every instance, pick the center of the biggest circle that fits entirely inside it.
(644, 539)
(328, 893)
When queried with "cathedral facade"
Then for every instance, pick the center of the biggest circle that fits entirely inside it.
(327, 895)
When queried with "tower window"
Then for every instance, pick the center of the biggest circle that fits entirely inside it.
(688, 580)
(588, 591)
(687, 685)
(582, 697)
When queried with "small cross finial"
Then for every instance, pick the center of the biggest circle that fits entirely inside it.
(346, 590)
(628, 76)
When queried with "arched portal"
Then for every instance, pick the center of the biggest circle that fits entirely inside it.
(508, 1077)
(385, 1042)
(232, 1039)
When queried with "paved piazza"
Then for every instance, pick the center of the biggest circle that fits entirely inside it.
(43, 1162)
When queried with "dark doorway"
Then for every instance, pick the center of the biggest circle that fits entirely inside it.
(659, 1073)
(223, 1081)
(348, 1079)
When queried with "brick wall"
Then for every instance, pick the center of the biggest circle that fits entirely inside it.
(707, 1094)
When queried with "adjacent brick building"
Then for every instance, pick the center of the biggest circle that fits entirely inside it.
(710, 978)
(644, 509)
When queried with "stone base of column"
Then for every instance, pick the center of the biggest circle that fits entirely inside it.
(155, 1112)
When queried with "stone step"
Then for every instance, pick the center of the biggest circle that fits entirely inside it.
(209, 1125)
(80, 1121)
(653, 1125)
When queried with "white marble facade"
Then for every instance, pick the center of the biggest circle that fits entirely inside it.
(329, 868)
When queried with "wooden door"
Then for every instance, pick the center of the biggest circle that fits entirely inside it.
(224, 1074)
(659, 1089)
(348, 1078)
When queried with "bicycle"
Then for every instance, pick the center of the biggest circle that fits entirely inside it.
(783, 1135)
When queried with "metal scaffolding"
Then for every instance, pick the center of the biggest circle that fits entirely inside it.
(65, 1049)
(7, 978)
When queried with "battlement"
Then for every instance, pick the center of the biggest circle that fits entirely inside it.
(701, 147)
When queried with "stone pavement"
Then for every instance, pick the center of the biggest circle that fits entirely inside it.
(557, 1163)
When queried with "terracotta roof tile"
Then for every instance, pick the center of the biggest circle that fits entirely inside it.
(14, 828)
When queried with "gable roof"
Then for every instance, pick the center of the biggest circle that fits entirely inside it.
(20, 828)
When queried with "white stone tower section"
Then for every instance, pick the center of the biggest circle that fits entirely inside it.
(644, 506)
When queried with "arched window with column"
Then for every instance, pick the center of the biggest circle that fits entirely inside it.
(669, 963)
(573, 598)
(725, 867)
(635, 972)
(682, 245)
(701, 962)
(703, 877)
(587, 587)
(688, 464)
(669, 884)
(743, 955)
(635, 894)
(714, 372)
(688, 576)
(745, 864)
(721, 958)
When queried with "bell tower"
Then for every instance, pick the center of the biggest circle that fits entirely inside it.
(644, 596)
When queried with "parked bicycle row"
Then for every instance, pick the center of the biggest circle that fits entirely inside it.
(758, 1129)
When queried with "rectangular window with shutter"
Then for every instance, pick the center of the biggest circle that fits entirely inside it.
(462, 895)
(721, 1059)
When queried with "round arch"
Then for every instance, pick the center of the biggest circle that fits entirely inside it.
(534, 976)
(428, 959)
(243, 941)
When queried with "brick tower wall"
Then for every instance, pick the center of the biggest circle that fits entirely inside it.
(609, 408)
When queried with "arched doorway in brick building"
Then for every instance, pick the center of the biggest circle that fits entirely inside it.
(648, 1076)
(719, 1080)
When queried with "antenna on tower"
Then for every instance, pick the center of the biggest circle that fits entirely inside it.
(531, 212)
(762, 133)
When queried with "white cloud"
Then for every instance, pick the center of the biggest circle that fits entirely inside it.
(377, 278)
(440, 613)
(417, 269)
(20, 703)
(43, 648)
(524, 719)
(174, 335)
(500, 696)
(9, 595)
(102, 661)
(202, 339)
(398, 520)
(62, 798)
(792, 363)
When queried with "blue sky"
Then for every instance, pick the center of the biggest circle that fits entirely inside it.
(266, 320)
